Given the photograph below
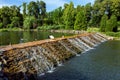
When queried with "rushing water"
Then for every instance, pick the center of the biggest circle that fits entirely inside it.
(100, 63)
(14, 37)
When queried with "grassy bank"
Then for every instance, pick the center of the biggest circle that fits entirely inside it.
(53, 27)
(10, 29)
(116, 35)
(92, 29)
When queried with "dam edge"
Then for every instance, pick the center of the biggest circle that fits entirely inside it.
(44, 55)
(33, 43)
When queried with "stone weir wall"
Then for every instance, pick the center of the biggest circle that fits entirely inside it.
(30, 60)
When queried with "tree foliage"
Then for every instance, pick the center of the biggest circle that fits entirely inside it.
(81, 20)
(29, 22)
(111, 25)
(69, 16)
(56, 16)
(103, 23)
(104, 14)
(24, 9)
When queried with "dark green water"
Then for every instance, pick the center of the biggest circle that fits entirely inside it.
(14, 37)
(100, 63)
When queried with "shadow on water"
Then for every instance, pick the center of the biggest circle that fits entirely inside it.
(15, 37)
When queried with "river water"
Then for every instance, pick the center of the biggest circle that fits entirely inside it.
(100, 63)
(15, 37)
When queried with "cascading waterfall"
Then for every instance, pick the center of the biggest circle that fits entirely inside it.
(33, 61)
(75, 43)
(86, 46)
(88, 41)
(67, 48)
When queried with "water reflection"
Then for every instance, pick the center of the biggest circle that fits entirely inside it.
(14, 37)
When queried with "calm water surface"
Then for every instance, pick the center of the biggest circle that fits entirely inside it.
(100, 63)
(14, 37)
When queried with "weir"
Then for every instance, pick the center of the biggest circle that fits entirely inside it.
(33, 59)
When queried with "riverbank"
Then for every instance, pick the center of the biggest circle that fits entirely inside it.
(115, 35)
(59, 31)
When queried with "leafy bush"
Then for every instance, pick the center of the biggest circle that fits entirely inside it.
(4, 30)
(103, 23)
(114, 34)
(93, 29)
(15, 22)
(1, 25)
(54, 27)
(62, 26)
(29, 22)
(10, 26)
(80, 22)
(111, 25)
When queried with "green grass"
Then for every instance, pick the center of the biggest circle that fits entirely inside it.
(53, 27)
(112, 34)
(93, 29)
(10, 29)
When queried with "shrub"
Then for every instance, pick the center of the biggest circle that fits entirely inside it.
(114, 34)
(103, 23)
(53, 27)
(10, 26)
(111, 25)
(29, 22)
(1, 25)
(15, 22)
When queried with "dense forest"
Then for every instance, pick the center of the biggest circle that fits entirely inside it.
(104, 14)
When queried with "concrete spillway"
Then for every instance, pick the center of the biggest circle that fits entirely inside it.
(33, 59)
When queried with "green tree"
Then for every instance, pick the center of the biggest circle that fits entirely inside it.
(6, 21)
(15, 11)
(77, 9)
(112, 24)
(69, 16)
(115, 8)
(88, 9)
(103, 23)
(33, 9)
(15, 22)
(29, 22)
(16, 17)
(81, 21)
(38, 10)
(66, 5)
(1, 25)
(105, 8)
(24, 8)
(5, 16)
(42, 9)
(99, 8)
(56, 16)
(98, 1)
